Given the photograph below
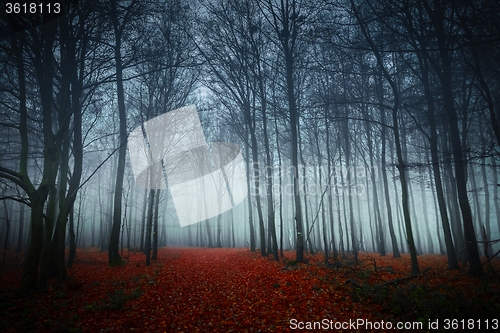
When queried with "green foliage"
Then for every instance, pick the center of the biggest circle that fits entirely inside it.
(365, 274)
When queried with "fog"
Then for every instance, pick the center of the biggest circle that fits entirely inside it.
(355, 127)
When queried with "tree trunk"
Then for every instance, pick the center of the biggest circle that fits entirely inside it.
(347, 153)
(256, 178)
(436, 209)
(209, 234)
(269, 179)
(155, 226)
(487, 202)
(280, 177)
(72, 239)
(329, 184)
(344, 200)
(496, 185)
(404, 192)
(219, 231)
(305, 190)
(378, 217)
(445, 77)
(29, 278)
(394, 242)
(433, 144)
(92, 231)
(149, 225)
(401, 164)
(7, 232)
(249, 198)
(114, 257)
(430, 245)
(322, 204)
(19, 246)
(143, 221)
(51, 153)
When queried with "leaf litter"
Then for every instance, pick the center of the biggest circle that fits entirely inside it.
(235, 290)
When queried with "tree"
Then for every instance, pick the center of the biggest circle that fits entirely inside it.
(119, 30)
(74, 39)
(42, 41)
(442, 66)
(402, 167)
(233, 68)
(420, 42)
(287, 19)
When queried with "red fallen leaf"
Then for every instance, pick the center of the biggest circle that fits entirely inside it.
(230, 289)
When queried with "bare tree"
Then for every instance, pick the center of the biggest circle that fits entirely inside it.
(402, 167)
(287, 20)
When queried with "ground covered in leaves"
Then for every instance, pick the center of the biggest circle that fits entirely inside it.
(235, 290)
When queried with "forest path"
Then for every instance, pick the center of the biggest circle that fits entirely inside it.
(234, 290)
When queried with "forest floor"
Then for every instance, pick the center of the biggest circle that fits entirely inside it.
(235, 290)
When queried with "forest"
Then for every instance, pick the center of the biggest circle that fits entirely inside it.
(246, 165)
